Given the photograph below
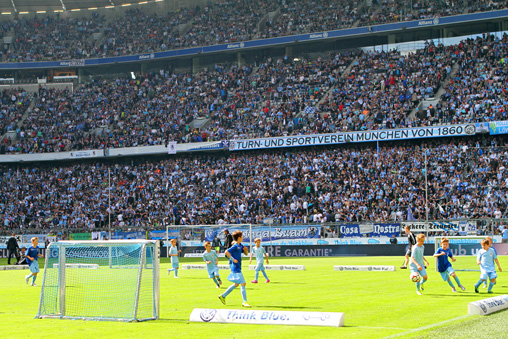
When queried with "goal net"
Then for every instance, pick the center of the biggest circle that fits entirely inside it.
(196, 235)
(101, 280)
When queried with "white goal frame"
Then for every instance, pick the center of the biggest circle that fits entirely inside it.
(62, 266)
(230, 227)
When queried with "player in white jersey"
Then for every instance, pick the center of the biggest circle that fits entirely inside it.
(212, 259)
(485, 258)
(259, 252)
(417, 262)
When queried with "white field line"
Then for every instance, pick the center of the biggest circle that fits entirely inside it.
(426, 327)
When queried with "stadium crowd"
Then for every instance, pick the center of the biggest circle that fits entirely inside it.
(138, 31)
(53, 38)
(477, 91)
(467, 179)
(278, 97)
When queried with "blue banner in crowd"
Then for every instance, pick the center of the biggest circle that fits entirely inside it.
(498, 127)
(342, 138)
(264, 232)
(157, 235)
(346, 231)
(372, 230)
(385, 230)
(129, 235)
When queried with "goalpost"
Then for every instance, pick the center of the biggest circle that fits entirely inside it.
(462, 245)
(201, 233)
(101, 280)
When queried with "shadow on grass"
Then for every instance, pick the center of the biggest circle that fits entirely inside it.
(461, 295)
(173, 320)
(288, 307)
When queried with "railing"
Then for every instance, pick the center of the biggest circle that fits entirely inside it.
(484, 226)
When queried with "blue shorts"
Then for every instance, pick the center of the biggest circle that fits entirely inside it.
(260, 267)
(236, 278)
(34, 266)
(484, 275)
(446, 274)
(214, 272)
(175, 264)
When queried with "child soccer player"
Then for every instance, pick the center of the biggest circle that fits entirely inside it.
(234, 253)
(173, 253)
(211, 259)
(259, 251)
(486, 258)
(443, 265)
(417, 260)
(31, 258)
(491, 242)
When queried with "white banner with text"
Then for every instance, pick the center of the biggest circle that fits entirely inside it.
(259, 317)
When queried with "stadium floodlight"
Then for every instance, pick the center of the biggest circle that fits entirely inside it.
(101, 280)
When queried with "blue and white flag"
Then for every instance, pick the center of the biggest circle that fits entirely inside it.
(410, 214)
(309, 110)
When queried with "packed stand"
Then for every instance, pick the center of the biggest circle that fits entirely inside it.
(54, 38)
(383, 88)
(484, 6)
(158, 107)
(227, 22)
(476, 92)
(467, 179)
(278, 97)
(13, 104)
(297, 17)
(389, 11)
(137, 32)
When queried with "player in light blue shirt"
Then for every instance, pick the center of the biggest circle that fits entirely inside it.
(416, 263)
(443, 265)
(485, 258)
(173, 253)
(259, 252)
(212, 259)
(31, 258)
(234, 253)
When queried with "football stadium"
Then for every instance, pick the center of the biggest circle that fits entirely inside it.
(262, 168)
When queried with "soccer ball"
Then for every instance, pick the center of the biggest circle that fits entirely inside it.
(415, 277)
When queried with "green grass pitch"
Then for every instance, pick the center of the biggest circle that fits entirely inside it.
(376, 304)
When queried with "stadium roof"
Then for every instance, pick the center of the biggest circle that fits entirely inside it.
(32, 6)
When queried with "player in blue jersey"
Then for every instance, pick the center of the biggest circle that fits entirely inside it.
(173, 253)
(259, 252)
(485, 258)
(417, 262)
(212, 259)
(31, 258)
(443, 265)
(234, 253)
